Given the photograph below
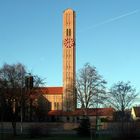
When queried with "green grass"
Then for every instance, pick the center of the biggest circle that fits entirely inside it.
(54, 137)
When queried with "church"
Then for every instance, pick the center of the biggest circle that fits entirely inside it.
(62, 101)
(64, 98)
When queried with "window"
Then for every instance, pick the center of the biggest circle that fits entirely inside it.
(77, 118)
(68, 119)
(69, 32)
(55, 105)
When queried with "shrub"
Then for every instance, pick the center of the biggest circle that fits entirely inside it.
(84, 127)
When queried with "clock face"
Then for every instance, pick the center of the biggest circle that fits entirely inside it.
(68, 42)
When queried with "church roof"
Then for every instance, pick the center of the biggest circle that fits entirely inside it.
(52, 90)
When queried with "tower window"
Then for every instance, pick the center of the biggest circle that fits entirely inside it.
(69, 32)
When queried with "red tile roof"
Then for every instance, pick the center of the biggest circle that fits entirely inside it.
(80, 112)
(37, 91)
(52, 90)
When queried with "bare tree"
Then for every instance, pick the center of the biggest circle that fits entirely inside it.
(122, 95)
(12, 85)
(90, 87)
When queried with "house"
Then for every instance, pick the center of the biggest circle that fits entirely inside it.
(135, 113)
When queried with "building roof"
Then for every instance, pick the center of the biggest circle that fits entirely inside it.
(37, 91)
(81, 112)
(137, 111)
(51, 90)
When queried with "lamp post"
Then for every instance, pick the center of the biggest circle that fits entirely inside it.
(14, 111)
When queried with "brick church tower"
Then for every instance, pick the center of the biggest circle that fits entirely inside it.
(69, 95)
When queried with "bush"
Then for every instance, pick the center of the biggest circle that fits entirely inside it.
(84, 128)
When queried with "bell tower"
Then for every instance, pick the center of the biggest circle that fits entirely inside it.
(69, 95)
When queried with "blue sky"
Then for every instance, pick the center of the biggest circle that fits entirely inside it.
(107, 36)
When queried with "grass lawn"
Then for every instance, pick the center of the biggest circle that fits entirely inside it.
(54, 137)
